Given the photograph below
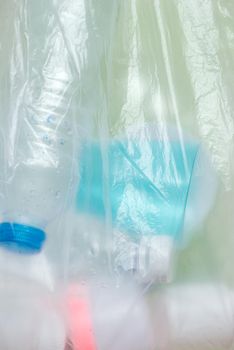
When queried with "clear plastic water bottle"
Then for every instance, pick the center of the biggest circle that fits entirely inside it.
(30, 318)
(38, 152)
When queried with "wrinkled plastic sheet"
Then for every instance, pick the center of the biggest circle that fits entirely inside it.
(116, 181)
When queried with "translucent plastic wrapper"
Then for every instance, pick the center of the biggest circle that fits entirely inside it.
(116, 175)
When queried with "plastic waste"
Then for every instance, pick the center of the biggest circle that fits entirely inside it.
(194, 315)
(169, 63)
(154, 188)
(102, 315)
(38, 151)
(30, 313)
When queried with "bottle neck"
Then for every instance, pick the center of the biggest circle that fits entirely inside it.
(21, 238)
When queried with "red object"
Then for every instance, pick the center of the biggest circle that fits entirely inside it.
(79, 319)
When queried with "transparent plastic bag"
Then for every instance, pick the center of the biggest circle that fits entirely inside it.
(116, 181)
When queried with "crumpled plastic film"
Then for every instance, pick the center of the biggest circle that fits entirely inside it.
(116, 174)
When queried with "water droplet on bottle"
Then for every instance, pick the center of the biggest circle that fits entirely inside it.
(62, 142)
(50, 119)
(46, 139)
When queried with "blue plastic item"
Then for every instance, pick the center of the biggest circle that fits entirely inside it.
(21, 237)
(143, 186)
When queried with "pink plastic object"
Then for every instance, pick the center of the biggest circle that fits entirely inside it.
(79, 319)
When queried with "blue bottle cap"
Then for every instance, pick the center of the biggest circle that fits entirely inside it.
(21, 238)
